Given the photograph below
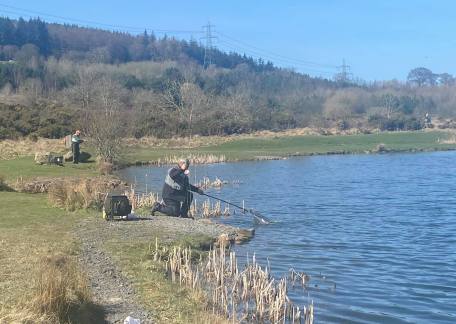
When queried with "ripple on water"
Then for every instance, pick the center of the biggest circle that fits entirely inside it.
(380, 227)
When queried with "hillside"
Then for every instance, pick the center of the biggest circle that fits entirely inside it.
(54, 78)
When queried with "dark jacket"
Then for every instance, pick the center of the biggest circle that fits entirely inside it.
(177, 185)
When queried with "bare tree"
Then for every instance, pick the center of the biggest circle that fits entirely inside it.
(186, 99)
(390, 103)
(104, 119)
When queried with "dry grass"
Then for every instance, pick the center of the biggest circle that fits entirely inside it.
(194, 159)
(201, 141)
(250, 295)
(105, 168)
(11, 149)
(205, 209)
(144, 200)
(449, 140)
(206, 183)
(73, 194)
(208, 209)
(31, 230)
(60, 294)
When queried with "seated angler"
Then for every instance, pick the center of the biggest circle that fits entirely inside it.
(177, 192)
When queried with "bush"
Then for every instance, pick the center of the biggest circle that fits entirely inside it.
(105, 168)
(394, 124)
(81, 193)
(343, 125)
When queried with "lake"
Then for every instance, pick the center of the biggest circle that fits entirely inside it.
(376, 233)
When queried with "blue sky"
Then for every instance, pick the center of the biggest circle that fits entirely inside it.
(380, 40)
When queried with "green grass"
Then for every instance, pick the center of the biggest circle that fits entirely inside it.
(243, 149)
(246, 149)
(30, 229)
(170, 302)
(25, 167)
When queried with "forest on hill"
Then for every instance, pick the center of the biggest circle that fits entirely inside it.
(54, 78)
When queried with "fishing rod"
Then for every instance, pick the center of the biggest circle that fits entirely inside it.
(257, 215)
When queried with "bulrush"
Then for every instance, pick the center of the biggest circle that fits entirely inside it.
(248, 295)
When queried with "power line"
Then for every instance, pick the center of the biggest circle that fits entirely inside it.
(21, 11)
(209, 46)
(304, 62)
(344, 75)
(237, 48)
(208, 31)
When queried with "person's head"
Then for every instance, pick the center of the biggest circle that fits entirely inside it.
(78, 132)
(184, 164)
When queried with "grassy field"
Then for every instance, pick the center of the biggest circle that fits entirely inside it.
(25, 167)
(251, 148)
(31, 230)
(243, 149)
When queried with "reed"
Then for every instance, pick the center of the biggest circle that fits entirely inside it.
(194, 159)
(208, 209)
(206, 183)
(141, 200)
(250, 294)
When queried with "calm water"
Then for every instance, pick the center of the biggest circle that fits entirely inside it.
(377, 233)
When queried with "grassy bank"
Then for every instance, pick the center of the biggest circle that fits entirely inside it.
(282, 146)
(25, 167)
(31, 229)
(34, 239)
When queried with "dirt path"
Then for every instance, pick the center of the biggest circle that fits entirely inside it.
(111, 289)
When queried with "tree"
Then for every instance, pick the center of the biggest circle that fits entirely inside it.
(186, 99)
(104, 121)
(421, 77)
(446, 79)
(6, 31)
(390, 103)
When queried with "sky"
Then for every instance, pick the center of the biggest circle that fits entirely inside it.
(379, 40)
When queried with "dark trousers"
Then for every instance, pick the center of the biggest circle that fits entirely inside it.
(76, 152)
(176, 208)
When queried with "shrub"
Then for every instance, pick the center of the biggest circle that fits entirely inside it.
(396, 123)
(81, 193)
(105, 168)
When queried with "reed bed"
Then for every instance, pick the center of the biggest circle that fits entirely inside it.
(194, 159)
(250, 294)
(207, 183)
(141, 200)
(207, 209)
(73, 194)
(449, 140)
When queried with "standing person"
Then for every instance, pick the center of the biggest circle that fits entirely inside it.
(176, 194)
(75, 141)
